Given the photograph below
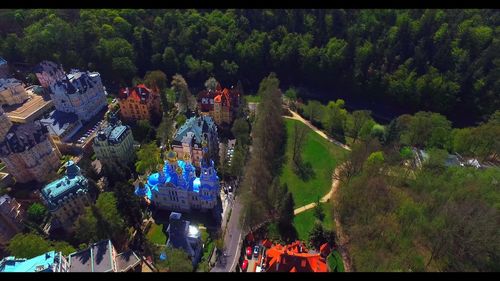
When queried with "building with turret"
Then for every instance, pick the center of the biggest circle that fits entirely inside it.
(27, 150)
(177, 188)
(114, 142)
(79, 92)
(190, 136)
(221, 104)
(67, 197)
(138, 103)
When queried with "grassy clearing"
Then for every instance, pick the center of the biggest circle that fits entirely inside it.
(156, 234)
(323, 155)
(252, 98)
(304, 221)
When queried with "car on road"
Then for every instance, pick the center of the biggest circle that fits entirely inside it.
(249, 252)
(256, 251)
(244, 265)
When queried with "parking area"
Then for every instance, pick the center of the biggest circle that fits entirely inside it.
(89, 129)
(253, 259)
(88, 133)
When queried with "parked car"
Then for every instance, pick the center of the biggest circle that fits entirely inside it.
(244, 265)
(256, 250)
(249, 252)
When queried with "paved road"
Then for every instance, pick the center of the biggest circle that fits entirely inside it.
(232, 241)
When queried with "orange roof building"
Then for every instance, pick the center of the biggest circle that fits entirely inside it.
(294, 257)
(137, 103)
(221, 105)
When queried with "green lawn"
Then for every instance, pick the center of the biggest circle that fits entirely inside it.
(304, 221)
(323, 156)
(252, 98)
(156, 235)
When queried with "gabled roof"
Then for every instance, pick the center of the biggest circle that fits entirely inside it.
(198, 126)
(96, 258)
(139, 93)
(294, 258)
(58, 122)
(23, 137)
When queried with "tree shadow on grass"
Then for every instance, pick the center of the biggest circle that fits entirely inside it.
(288, 232)
(304, 171)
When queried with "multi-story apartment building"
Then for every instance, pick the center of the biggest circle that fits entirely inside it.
(221, 104)
(114, 142)
(67, 197)
(27, 151)
(11, 218)
(78, 92)
(138, 103)
(12, 92)
(48, 73)
(190, 136)
(177, 188)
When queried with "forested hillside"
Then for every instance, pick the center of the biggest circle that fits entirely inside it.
(443, 61)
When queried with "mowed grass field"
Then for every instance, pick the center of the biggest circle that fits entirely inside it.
(323, 155)
(304, 222)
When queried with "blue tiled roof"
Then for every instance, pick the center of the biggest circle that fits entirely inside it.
(117, 132)
(197, 125)
(71, 183)
(44, 262)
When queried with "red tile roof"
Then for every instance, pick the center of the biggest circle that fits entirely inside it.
(137, 93)
(294, 258)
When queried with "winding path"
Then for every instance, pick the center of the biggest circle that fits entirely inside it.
(343, 240)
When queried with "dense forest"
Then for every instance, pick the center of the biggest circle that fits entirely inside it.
(389, 61)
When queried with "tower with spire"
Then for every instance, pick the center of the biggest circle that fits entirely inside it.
(176, 187)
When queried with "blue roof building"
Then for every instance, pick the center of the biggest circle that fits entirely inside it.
(67, 197)
(176, 186)
(49, 262)
(98, 257)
